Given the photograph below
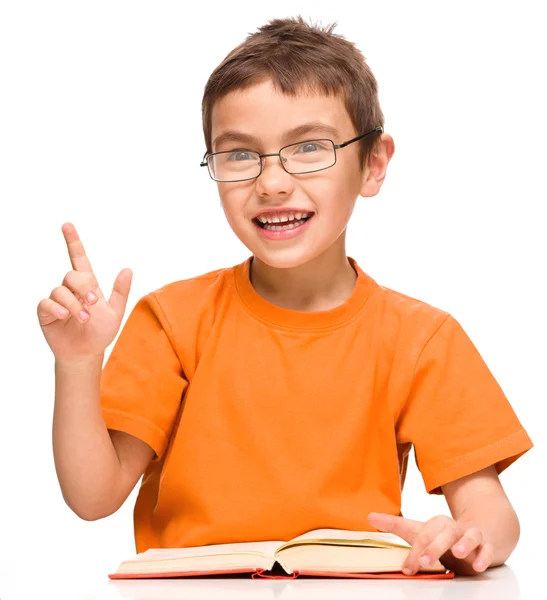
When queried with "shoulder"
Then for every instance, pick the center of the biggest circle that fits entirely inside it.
(193, 296)
(194, 285)
(406, 313)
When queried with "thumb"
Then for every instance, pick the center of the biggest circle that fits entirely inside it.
(120, 291)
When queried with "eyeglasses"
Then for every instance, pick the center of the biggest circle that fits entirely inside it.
(303, 157)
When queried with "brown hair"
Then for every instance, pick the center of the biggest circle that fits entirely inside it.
(297, 56)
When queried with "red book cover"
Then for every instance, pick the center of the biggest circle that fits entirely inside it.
(263, 574)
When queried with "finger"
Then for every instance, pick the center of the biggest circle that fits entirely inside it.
(428, 535)
(50, 311)
(84, 286)
(449, 537)
(66, 299)
(484, 557)
(470, 540)
(404, 528)
(76, 250)
(120, 291)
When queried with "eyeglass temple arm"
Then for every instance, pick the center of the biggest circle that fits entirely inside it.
(376, 129)
(338, 146)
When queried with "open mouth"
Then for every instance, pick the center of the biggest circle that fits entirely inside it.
(291, 223)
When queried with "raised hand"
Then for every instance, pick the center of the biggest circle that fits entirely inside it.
(77, 320)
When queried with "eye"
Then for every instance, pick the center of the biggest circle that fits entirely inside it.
(308, 147)
(240, 155)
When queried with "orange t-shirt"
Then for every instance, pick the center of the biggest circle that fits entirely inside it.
(269, 422)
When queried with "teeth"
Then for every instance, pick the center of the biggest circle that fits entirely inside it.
(283, 218)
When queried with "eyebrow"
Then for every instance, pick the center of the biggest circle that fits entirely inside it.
(296, 132)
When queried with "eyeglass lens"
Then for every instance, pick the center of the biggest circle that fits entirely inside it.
(303, 157)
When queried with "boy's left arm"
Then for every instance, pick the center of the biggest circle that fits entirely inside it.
(483, 531)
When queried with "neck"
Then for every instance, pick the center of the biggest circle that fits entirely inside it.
(320, 284)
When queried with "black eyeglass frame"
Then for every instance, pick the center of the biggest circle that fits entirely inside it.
(206, 156)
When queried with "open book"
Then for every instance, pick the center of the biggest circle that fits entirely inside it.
(322, 552)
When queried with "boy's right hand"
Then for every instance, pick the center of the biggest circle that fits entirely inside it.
(72, 338)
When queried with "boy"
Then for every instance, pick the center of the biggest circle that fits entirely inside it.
(282, 394)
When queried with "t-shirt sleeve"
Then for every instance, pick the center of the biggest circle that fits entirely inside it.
(142, 382)
(456, 415)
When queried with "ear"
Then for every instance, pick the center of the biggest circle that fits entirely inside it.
(374, 172)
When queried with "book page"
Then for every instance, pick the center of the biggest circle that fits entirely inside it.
(263, 548)
(372, 538)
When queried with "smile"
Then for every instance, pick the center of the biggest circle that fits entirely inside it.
(282, 227)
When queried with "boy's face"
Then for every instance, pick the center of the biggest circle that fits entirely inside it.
(330, 194)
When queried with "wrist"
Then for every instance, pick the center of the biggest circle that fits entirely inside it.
(79, 365)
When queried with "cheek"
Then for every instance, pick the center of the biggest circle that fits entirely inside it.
(230, 196)
(348, 185)
(334, 196)
(233, 201)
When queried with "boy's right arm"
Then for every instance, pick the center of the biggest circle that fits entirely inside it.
(96, 468)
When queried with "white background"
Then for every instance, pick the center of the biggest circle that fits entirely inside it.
(100, 125)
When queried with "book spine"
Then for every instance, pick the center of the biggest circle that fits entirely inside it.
(260, 574)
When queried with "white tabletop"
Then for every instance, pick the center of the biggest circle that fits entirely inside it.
(501, 583)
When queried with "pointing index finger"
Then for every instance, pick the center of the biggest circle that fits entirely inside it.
(76, 251)
(407, 529)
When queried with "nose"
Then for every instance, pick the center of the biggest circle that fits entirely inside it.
(274, 180)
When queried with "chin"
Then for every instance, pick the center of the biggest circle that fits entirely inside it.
(289, 258)
(283, 255)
